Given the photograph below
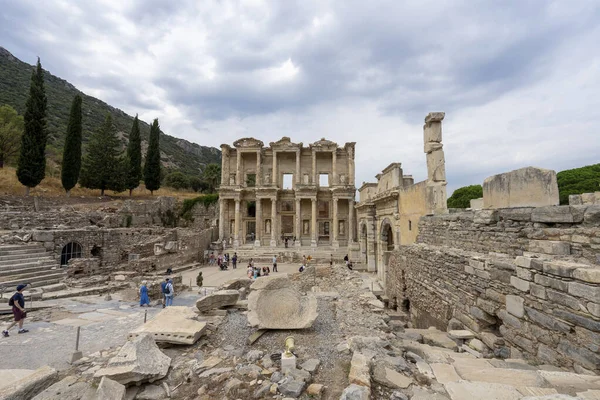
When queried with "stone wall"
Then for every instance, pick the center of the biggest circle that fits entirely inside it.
(526, 280)
(584, 199)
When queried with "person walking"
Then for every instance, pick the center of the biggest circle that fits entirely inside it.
(250, 271)
(234, 261)
(170, 293)
(275, 263)
(164, 291)
(144, 299)
(17, 301)
(211, 259)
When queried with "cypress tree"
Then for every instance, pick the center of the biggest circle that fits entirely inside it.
(152, 166)
(102, 166)
(31, 169)
(71, 163)
(134, 157)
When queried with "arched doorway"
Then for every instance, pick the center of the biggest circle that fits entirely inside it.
(387, 237)
(70, 250)
(386, 246)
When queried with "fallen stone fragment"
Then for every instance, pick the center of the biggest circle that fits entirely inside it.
(172, 325)
(254, 355)
(221, 298)
(390, 378)
(300, 375)
(152, 392)
(360, 373)
(315, 389)
(232, 384)
(481, 391)
(274, 303)
(109, 390)
(311, 365)
(255, 336)
(30, 385)
(66, 389)
(236, 284)
(356, 392)
(139, 360)
(292, 388)
(215, 371)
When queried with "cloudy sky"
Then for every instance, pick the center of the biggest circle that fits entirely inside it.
(519, 80)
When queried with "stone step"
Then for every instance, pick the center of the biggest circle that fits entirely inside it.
(22, 251)
(30, 264)
(20, 246)
(25, 256)
(38, 281)
(36, 269)
(29, 274)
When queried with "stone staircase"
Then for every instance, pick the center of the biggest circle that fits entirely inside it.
(320, 255)
(28, 263)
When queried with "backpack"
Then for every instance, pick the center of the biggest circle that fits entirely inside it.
(164, 288)
(11, 301)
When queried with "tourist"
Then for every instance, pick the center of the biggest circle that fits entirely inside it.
(252, 262)
(286, 242)
(17, 301)
(219, 260)
(144, 299)
(331, 261)
(234, 260)
(164, 291)
(250, 271)
(256, 272)
(170, 293)
(275, 263)
(265, 271)
(303, 259)
(302, 268)
(346, 259)
(211, 259)
(308, 260)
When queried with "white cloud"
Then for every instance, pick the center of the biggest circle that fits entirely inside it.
(518, 79)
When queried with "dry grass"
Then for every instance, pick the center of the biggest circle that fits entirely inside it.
(51, 187)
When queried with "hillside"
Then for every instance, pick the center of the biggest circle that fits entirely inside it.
(578, 180)
(14, 87)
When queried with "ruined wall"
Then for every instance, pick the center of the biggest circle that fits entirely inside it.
(413, 205)
(584, 199)
(529, 275)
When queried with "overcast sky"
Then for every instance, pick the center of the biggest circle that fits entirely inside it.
(519, 80)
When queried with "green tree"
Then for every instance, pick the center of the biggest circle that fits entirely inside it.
(71, 162)
(31, 169)
(103, 167)
(462, 197)
(11, 129)
(212, 176)
(134, 157)
(152, 165)
(177, 180)
(197, 184)
(578, 180)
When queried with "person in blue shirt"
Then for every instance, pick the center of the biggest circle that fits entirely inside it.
(17, 301)
(144, 299)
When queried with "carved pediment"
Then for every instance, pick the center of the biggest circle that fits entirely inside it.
(285, 143)
(248, 143)
(324, 144)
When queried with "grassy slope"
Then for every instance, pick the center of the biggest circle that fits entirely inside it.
(14, 88)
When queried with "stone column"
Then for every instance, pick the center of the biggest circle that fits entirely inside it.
(224, 166)
(336, 225)
(236, 234)
(313, 223)
(274, 177)
(372, 262)
(221, 219)
(334, 178)
(258, 174)
(350, 227)
(436, 166)
(351, 166)
(298, 227)
(314, 168)
(238, 168)
(259, 222)
(298, 177)
(273, 222)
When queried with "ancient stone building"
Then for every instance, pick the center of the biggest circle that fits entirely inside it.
(288, 191)
(388, 212)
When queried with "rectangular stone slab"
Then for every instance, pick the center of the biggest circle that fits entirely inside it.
(173, 325)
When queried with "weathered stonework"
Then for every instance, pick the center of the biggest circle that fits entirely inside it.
(535, 284)
(525, 187)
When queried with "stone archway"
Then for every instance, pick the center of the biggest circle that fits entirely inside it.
(70, 250)
(386, 247)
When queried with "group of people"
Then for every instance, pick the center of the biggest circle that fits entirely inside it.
(166, 288)
(222, 260)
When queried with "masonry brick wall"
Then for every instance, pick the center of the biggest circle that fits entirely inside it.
(527, 281)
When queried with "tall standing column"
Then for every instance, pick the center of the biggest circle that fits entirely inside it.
(298, 167)
(258, 179)
(274, 177)
(221, 219)
(314, 168)
(350, 222)
(236, 234)
(336, 224)
(351, 166)
(273, 222)
(313, 222)
(238, 167)
(298, 226)
(224, 165)
(334, 168)
(259, 222)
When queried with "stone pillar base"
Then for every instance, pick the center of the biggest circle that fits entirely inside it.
(335, 244)
(313, 243)
(236, 243)
(288, 363)
(298, 243)
(273, 243)
(257, 243)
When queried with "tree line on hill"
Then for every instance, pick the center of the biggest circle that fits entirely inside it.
(104, 165)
